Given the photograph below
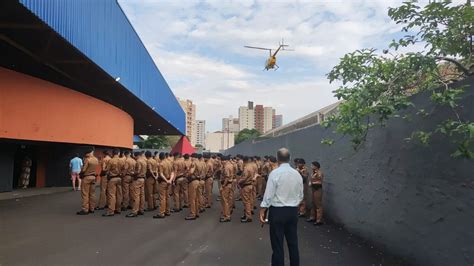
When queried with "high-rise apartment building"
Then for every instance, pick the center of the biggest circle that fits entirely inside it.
(230, 124)
(190, 110)
(259, 118)
(277, 121)
(267, 119)
(247, 117)
(200, 127)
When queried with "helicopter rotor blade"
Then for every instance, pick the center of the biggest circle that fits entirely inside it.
(260, 48)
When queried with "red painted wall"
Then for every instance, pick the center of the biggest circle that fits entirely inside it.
(34, 109)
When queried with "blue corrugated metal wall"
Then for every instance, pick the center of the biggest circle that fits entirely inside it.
(102, 32)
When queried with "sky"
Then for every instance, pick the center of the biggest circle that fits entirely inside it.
(199, 48)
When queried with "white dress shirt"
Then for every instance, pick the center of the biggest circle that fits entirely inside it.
(284, 188)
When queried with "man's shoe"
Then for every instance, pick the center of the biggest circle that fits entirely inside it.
(246, 220)
(82, 213)
(167, 214)
(243, 217)
(318, 223)
(238, 200)
(91, 211)
(131, 215)
(174, 210)
(310, 220)
(189, 218)
(202, 210)
(99, 208)
(185, 206)
(159, 216)
(107, 214)
(222, 220)
(301, 215)
(141, 213)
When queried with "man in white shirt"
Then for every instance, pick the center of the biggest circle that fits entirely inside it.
(283, 194)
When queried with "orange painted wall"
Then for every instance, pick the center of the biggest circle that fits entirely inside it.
(34, 109)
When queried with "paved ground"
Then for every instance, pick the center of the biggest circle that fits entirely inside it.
(30, 192)
(44, 230)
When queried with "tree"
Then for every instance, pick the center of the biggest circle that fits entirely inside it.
(246, 134)
(154, 142)
(375, 86)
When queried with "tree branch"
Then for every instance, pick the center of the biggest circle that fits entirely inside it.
(456, 63)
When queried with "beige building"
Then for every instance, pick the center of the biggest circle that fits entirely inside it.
(190, 109)
(268, 119)
(247, 117)
(230, 124)
(219, 141)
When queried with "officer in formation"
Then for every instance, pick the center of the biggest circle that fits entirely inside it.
(128, 181)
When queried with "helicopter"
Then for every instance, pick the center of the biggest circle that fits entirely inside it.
(271, 61)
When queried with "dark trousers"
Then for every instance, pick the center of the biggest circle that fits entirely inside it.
(283, 224)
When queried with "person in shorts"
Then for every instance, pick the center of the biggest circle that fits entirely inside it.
(75, 166)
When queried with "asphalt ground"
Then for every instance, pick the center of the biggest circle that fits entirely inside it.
(45, 230)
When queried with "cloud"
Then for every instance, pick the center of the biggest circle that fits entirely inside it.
(198, 46)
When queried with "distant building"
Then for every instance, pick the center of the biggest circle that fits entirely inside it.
(200, 127)
(308, 120)
(190, 110)
(267, 119)
(277, 121)
(219, 141)
(259, 119)
(247, 117)
(230, 124)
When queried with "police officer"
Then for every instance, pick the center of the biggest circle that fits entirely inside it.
(201, 171)
(208, 181)
(114, 181)
(167, 176)
(88, 175)
(103, 181)
(226, 190)
(180, 182)
(138, 187)
(316, 183)
(128, 172)
(151, 177)
(193, 187)
(246, 189)
(301, 168)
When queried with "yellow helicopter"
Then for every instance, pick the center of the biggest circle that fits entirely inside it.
(271, 61)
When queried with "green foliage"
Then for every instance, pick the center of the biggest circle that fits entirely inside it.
(246, 134)
(376, 86)
(154, 142)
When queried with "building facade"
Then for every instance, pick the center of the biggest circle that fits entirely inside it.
(268, 119)
(247, 116)
(277, 121)
(230, 124)
(63, 90)
(190, 111)
(200, 127)
(219, 141)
